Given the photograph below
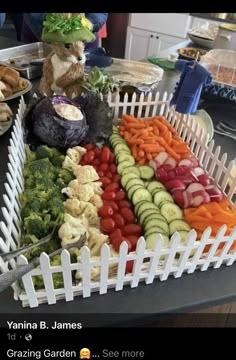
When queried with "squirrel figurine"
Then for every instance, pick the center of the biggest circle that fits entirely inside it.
(63, 69)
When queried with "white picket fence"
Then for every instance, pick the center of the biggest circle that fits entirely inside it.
(148, 264)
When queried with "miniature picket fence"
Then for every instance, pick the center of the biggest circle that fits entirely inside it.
(149, 264)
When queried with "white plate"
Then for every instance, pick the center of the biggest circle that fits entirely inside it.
(16, 95)
(204, 121)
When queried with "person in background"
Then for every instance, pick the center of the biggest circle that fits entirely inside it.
(2, 19)
(102, 34)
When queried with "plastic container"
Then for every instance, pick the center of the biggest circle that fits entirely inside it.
(222, 66)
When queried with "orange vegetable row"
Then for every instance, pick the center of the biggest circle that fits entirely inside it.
(147, 138)
(213, 214)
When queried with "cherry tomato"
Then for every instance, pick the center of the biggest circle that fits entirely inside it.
(120, 195)
(96, 162)
(133, 239)
(105, 154)
(107, 225)
(109, 174)
(117, 242)
(113, 205)
(129, 266)
(128, 215)
(112, 158)
(132, 229)
(101, 173)
(119, 220)
(105, 181)
(114, 235)
(96, 168)
(116, 178)
(105, 211)
(104, 167)
(124, 204)
(89, 146)
(109, 195)
(113, 168)
(97, 152)
(112, 187)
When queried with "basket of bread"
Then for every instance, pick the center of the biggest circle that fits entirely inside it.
(11, 84)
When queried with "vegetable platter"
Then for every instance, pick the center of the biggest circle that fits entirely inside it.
(155, 201)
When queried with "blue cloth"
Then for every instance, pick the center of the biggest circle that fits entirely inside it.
(2, 19)
(188, 91)
(97, 57)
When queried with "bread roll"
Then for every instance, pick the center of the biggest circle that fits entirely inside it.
(21, 85)
(9, 76)
(7, 91)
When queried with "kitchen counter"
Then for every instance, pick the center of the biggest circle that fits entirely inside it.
(190, 292)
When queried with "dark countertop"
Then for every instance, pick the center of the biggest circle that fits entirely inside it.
(190, 292)
(213, 18)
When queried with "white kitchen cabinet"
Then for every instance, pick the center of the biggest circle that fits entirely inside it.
(141, 44)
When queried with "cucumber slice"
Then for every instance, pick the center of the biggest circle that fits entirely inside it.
(147, 206)
(162, 196)
(145, 214)
(122, 166)
(127, 177)
(115, 129)
(130, 169)
(153, 185)
(183, 236)
(155, 229)
(146, 172)
(171, 212)
(157, 222)
(132, 182)
(136, 207)
(178, 225)
(125, 157)
(151, 239)
(120, 148)
(141, 194)
(153, 216)
(117, 142)
(156, 191)
(132, 190)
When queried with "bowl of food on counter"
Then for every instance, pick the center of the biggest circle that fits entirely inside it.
(191, 53)
(11, 84)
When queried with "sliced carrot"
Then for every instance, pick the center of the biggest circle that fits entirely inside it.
(149, 156)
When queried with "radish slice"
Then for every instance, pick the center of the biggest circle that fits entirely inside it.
(153, 164)
(182, 170)
(188, 199)
(194, 176)
(198, 171)
(194, 161)
(204, 179)
(171, 161)
(173, 185)
(204, 194)
(198, 200)
(195, 187)
(171, 174)
(178, 198)
(162, 157)
(162, 175)
(186, 162)
(214, 192)
(167, 167)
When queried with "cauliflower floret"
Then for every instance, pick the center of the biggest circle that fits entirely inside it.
(86, 174)
(71, 231)
(96, 200)
(97, 187)
(76, 153)
(96, 240)
(73, 221)
(74, 207)
(90, 212)
(83, 192)
(70, 164)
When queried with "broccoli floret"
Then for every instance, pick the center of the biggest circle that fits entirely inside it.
(30, 207)
(44, 183)
(65, 175)
(30, 155)
(56, 207)
(40, 168)
(37, 225)
(44, 151)
(57, 277)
